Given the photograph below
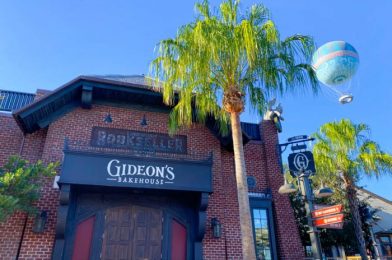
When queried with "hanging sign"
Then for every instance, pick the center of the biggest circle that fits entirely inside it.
(334, 226)
(334, 219)
(301, 162)
(326, 211)
(297, 137)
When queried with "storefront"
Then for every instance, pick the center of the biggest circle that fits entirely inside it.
(128, 190)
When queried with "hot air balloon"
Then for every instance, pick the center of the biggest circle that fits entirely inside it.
(335, 63)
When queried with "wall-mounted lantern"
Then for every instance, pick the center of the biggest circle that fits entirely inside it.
(108, 119)
(143, 122)
(40, 222)
(216, 228)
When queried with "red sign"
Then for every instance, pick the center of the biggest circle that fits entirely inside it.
(334, 226)
(320, 222)
(327, 211)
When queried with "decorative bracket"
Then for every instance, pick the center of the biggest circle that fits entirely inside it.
(201, 225)
(62, 214)
(87, 96)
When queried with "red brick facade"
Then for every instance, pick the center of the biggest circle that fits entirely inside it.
(47, 145)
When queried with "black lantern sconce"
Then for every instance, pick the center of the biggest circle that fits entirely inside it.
(108, 119)
(40, 222)
(216, 228)
(144, 121)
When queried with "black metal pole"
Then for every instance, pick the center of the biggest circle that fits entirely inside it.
(22, 237)
(307, 194)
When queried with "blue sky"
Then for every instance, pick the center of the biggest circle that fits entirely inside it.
(44, 44)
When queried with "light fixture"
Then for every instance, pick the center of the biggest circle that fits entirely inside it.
(287, 187)
(40, 222)
(216, 228)
(323, 192)
(144, 121)
(108, 119)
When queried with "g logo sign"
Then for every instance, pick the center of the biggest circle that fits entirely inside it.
(301, 162)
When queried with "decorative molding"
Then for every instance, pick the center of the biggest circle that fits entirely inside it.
(202, 216)
(265, 194)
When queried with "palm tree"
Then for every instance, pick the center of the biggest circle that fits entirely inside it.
(218, 62)
(344, 151)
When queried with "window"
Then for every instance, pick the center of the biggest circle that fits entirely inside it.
(386, 244)
(263, 230)
(262, 234)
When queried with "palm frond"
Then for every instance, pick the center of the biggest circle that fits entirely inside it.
(343, 146)
(223, 50)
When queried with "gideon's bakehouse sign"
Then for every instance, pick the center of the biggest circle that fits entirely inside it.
(138, 141)
(136, 172)
(140, 173)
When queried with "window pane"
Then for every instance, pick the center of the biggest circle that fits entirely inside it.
(263, 246)
(264, 223)
(256, 214)
(263, 214)
(257, 223)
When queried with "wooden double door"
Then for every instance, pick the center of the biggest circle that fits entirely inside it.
(133, 232)
(130, 227)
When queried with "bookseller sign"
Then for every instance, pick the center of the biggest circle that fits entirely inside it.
(136, 172)
(138, 141)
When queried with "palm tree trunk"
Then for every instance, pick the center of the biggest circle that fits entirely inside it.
(353, 203)
(248, 248)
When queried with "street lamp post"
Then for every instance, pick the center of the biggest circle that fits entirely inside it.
(304, 167)
(307, 193)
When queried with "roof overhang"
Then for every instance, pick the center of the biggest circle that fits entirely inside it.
(86, 90)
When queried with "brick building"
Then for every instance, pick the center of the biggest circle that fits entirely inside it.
(127, 190)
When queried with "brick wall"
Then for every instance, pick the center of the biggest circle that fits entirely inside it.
(29, 147)
(289, 243)
(10, 144)
(10, 137)
(47, 144)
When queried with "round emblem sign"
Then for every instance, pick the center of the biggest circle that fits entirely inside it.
(301, 162)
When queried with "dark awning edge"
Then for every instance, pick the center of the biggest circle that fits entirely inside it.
(83, 90)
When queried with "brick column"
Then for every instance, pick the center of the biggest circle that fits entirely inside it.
(288, 239)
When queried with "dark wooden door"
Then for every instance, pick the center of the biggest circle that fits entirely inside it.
(132, 233)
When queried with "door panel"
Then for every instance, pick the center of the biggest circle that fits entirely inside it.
(83, 238)
(117, 235)
(132, 233)
(178, 240)
(148, 233)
